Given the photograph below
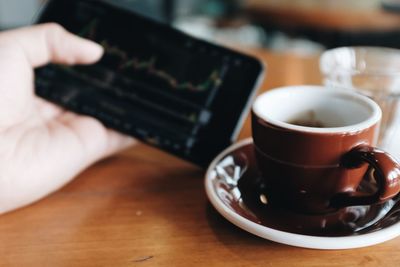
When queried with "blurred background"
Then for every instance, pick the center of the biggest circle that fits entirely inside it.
(298, 26)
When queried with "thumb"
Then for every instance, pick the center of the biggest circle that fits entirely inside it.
(50, 42)
(23, 49)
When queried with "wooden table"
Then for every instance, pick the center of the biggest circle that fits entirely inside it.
(360, 15)
(146, 208)
(330, 22)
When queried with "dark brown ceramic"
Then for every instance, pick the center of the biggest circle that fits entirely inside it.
(239, 185)
(317, 170)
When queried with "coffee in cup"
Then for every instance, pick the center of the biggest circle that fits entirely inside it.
(314, 147)
(308, 121)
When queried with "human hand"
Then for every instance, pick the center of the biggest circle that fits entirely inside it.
(42, 146)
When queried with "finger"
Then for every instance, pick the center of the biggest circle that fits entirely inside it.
(96, 139)
(50, 42)
(47, 110)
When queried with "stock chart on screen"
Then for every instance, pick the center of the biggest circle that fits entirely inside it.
(153, 82)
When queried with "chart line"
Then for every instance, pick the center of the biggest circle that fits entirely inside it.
(127, 62)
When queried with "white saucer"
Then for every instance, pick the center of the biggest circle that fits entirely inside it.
(222, 186)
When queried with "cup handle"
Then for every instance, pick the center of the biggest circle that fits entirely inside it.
(387, 176)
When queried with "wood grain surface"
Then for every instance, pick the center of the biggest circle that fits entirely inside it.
(340, 15)
(143, 207)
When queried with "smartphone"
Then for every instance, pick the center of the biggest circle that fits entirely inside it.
(181, 94)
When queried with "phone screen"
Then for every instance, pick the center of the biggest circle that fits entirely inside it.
(168, 89)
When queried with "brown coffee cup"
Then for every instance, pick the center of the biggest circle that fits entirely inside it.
(314, 146)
